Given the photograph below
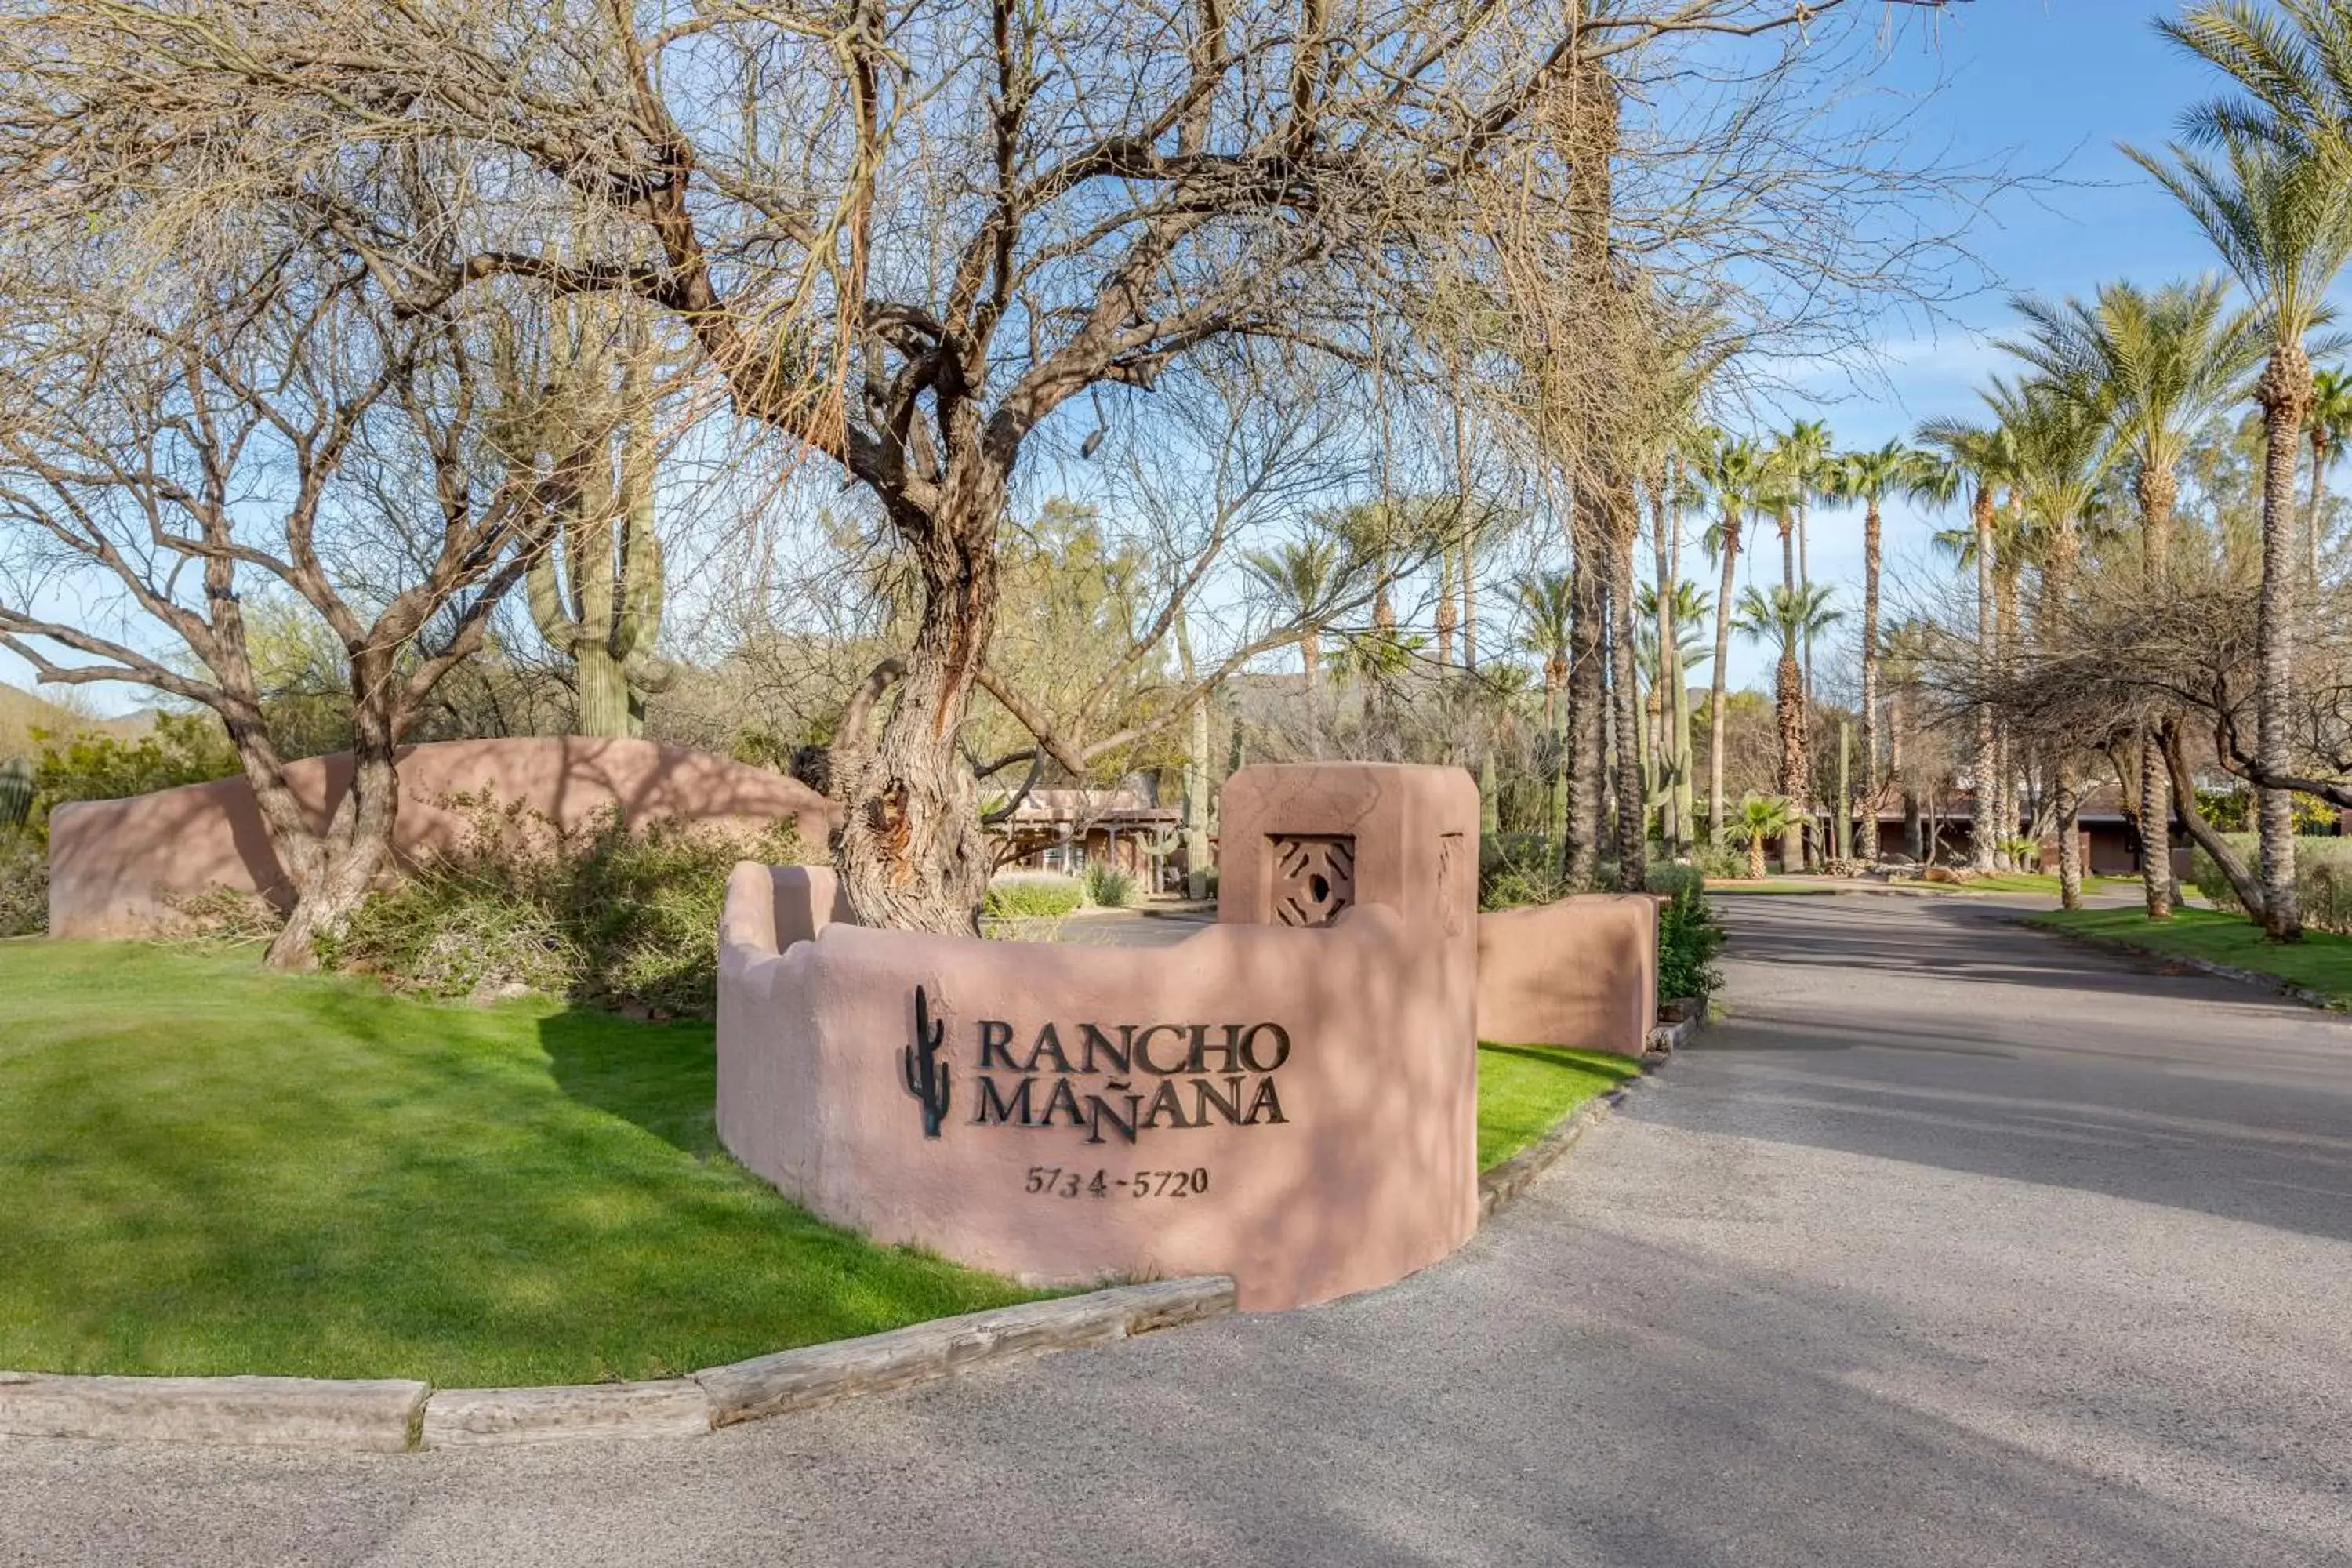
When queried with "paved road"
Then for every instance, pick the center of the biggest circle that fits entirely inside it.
(1954, 1246)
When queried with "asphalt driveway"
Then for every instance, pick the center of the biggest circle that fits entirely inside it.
(1955, 1245)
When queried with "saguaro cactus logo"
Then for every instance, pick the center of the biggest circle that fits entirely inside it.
(920, 1064)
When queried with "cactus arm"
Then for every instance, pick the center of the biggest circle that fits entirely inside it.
(547, 598)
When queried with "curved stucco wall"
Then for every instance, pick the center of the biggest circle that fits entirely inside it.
(115, 864)
(1582, 972)
(1348, 1162)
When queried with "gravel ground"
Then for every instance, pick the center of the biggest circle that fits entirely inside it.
(1956, 1244)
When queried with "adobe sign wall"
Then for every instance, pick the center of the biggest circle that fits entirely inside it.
(1289, 1097)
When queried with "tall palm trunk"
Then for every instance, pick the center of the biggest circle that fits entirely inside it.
(1587, 743)
(2321, 439)
(2005, 636)
(2057, 582)
(1633, 838)
(1870, 560)
(2284, 394)
(2158, 492)
(1789, 700)
(1672, 830)
(1983, 828)
(1716, 821)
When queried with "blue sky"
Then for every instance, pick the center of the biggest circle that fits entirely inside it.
(2053, 84)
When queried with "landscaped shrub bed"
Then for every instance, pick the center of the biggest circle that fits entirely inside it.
(2323, 879)
(605, 916)
(1034, 895)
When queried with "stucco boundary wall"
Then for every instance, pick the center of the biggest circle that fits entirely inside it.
(1581, 972)
(116, 866)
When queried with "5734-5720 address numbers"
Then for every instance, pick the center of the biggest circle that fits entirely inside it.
(1060, 1181)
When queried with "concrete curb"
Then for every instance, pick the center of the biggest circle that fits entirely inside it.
(1501, 1184)
(2301, 995)
(392, 1416)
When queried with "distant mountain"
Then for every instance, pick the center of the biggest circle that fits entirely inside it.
(21, 713)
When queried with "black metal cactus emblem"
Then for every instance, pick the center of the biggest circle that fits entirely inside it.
(920, 1064)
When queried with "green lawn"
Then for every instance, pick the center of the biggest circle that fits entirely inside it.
(2044, 882)
(2319, 962)
(1523, 1090)
(205, 1168)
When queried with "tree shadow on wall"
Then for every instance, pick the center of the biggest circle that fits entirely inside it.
(662, 1076)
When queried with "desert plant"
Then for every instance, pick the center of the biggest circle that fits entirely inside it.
(23, 884)
(1034, 895)
(1689, 937)
(1761, 816)
(15, 794)
(1108, 887)
(615, 918)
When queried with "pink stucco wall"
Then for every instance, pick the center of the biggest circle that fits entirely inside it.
(1582, 972)
(114, 864)
(1369, 1174)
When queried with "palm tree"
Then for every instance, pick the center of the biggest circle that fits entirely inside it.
(1728, 472)
(2062, 438)
(1547, 608)
(2157, 364)
(1802, 453)
(1979, 459)
(2281, 218)
(1761, 816)
(2329, 421)
(1869, 477)
(1305, 577)
(1787, 617)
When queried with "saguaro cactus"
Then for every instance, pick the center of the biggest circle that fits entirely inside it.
(16, 792)
(596, 580)
(925, 1075)
(607, 613)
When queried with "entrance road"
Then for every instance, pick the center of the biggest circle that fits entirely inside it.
(1955, 1245)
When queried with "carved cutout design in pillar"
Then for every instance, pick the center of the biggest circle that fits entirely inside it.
(1453, 869)
(1314, 876)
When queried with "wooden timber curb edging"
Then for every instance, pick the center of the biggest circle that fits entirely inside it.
(397, 1415)
(391, 1414)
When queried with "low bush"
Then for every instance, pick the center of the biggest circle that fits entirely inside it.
(24, 883)
(1675, 877)
(1720, 862)
(1689, 938)
(181, 749)
(2323, 879)
(611, 918)
(1109, 887)
(1519, 868)
(1034, 895)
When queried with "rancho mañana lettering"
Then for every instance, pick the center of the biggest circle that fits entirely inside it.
(1126, 1080)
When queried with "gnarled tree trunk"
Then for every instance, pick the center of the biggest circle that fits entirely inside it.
(911, 853)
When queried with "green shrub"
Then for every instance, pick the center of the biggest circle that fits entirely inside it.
(1723, 863)
(24, 883)
(611, 918)
(1517, 869)
(1034, 895)
(2323, 879)
(1675, 877)
(1689, 937)
(1108, 887)
(181, 749)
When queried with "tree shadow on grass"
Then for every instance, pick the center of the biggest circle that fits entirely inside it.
(661, 1076)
